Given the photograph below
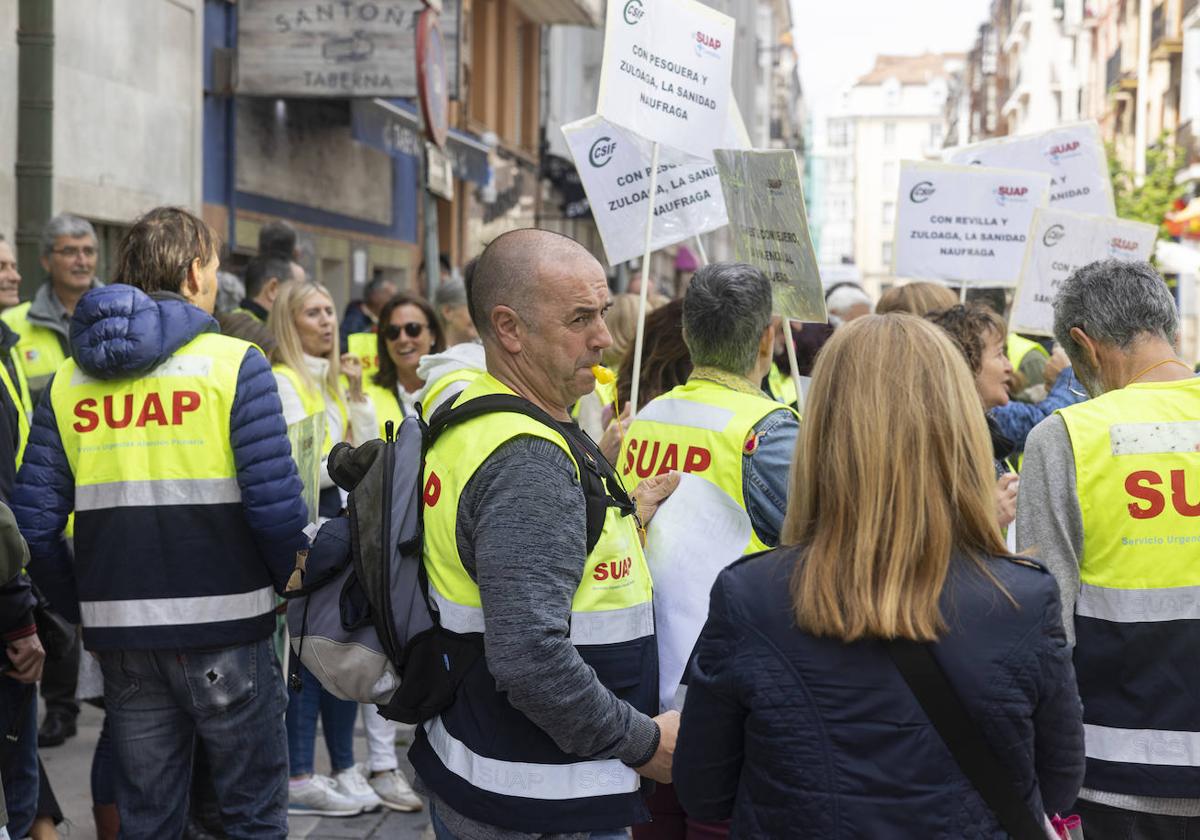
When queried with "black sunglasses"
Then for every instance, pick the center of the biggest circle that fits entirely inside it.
(412, 329)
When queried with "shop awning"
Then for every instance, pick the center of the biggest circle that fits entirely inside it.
(392, 126)
(550, 12)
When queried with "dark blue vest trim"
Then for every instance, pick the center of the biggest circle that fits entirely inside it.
(1143, 779)
(1136, 676)
(482, 718)
(173, 551)
(181, 636)
(518, 813)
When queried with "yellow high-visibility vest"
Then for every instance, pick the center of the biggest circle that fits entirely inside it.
(1137, 474)
(39, 350)
(699, 427)
(313, 401)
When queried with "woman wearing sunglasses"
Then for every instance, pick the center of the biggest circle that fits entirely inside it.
(408, 330)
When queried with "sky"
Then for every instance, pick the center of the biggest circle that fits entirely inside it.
(838, 39)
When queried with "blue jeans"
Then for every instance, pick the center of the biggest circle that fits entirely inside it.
(442, 832)
(232, 699)
(337, 722)
(19, 770)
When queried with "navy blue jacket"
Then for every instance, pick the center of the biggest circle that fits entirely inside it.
(119, 332)
(797, 736)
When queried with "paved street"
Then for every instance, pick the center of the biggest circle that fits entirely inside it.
(69, 767)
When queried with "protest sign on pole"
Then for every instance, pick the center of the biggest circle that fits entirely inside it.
(666, 72)
(770, 227)
(305, 437)
(964, 224)
(639, 339)
(1072, 155)
(1060, 242)
(614, 168)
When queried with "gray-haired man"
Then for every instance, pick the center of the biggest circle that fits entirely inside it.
(1121, 469)
(719, 424)
(69, 252)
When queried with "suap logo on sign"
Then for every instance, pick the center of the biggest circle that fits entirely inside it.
(602, 151)
(921, 192)
(1124, 248)
(634, 11)
(707, 45)
(1062, 150)
(1053, 235)
(1011, 195)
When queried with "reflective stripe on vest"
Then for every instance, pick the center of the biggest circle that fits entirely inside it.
(1018, 347)
(700, 427)
(603, 627)
(313, 402)
(612, 624)
(174, 491)
(436, 393)
(1137, 472)
(525, 779)
(39, 350)
(1142, 746)
(366, 347)
(171, 611)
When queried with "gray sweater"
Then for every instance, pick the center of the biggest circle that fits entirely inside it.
(521, 536)
(1050, 529)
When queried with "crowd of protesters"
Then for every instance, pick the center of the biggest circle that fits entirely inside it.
(931, 501)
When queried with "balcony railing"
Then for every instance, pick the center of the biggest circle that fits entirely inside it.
(1112, 70)
(1158, 24)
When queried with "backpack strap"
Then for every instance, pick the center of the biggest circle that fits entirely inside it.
(601, 486)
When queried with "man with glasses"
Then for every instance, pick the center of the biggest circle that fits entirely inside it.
(69, 257)
(43, 325)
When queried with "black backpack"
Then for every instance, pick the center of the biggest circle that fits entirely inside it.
(359, 611)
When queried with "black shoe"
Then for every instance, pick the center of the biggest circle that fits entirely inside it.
(56, 729)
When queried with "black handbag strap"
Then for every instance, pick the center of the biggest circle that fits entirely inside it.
(963, 738)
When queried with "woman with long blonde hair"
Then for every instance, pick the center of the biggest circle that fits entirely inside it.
(797, 723)
(309, 373)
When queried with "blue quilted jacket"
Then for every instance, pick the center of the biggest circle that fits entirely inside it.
(796, 736)
(119, 332)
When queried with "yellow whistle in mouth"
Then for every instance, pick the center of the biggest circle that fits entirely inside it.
(603, 375)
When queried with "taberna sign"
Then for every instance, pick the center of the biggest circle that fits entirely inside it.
(336, 48)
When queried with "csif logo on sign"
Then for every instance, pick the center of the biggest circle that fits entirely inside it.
(921, 192)
(1053, 235)
(1011, 195)
(1058, 151)
(602, 151)
(707, 45)
(634, 12)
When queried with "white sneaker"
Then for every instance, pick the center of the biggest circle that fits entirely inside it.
(319, 795)
(352, 783)
(395, 791)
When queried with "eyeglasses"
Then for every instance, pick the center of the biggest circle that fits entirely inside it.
(73, 251)
(412, 329)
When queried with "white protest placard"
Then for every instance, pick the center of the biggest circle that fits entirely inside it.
(964, 224)
(666, 72)
(1072, 155)
(1061, 242)
(769, 225)
(614, 167)
(695, 533)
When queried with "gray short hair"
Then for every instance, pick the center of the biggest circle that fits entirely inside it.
(1116, 303)
(65, 224)
(725, 312)
(450, 292)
